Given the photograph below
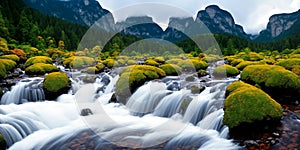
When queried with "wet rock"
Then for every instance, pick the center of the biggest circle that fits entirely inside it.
(113, 99)
(202, 73)
(105, 79)
(250, 143)
(197, 88)
(190, 78)
(276, 134)
(86, 112)
(174, 86)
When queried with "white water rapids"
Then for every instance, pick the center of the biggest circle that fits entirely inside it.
(152, 116)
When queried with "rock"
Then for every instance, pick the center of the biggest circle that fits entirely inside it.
(105, 79)
(113, 99)
(55, 84)
(249, 143)
(202, 73)
(86, 112)
(174, 86)
(190, 78)
(197, 88)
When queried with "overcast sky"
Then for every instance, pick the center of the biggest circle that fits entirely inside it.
(253, 15)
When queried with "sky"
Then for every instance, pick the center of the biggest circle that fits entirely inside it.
(253, 15)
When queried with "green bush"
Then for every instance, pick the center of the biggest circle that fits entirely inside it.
(171, 69)
(78, 62)
(110, 63)
(55, 84)
(151, 62)
(248, 104)
(40, 69)
(132, 77)
(38, 59)
(12, 57)
(8, 64)
(275, 80)
(225, 71)
(289, 63)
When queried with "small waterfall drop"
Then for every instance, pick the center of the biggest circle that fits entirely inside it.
(27, 90)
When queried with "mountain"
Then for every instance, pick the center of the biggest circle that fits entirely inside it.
(220, 21)
(85, 12)
(281, 26)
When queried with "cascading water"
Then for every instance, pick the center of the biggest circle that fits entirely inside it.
(27, 90)
(154, 117)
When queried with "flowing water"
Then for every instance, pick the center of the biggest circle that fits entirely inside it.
(154, 116)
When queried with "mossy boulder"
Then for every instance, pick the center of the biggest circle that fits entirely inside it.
(38, 59)
(79, 62)
(2, 71)
(235, 62)
(171, 69)
(225, 71)
(12, 57)
(134, 76)
(192, 65)
(151, 62)
(159, 59)
(40, 69)
(246, 104)
(95, 69)
(2, 143)
(131, 62)
(289, 63)
(55, 84)
(8, 64)
(244, 64)
(110, 63)
(275, 80)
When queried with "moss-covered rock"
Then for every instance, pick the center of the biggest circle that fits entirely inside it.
(2, 71)
(132, 77)
(38, 59)
(289, 63)
(110, 63)
(95, 69)
(171, 69)
(2, 143)
(192, 65)
(151, 62)
(8, 64)
(78, 62)
(40, 69)
(244, 64)
(275, 80)
(296, 70)
(55, 84)
(160, 59)
(131, 62)
(235, 62)
(12, 57)
(225, 71)
(246, 104)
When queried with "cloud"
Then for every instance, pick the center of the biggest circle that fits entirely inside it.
(253, 15)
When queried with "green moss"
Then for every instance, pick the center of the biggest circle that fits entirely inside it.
(192, 65)
(56, 81)
(244, 64)
(248, 104)
(12, 57)
(275, 80)
(160, 59)
(8, 64)
(131, 62)
(171, 69)
(78, 62)
(296, 70)
(110, 63)
(38, 59)
(151, 62)
(225, 71)
(40, 69)
(251, 56)
(174, 61)
(132, 77)
(289, 63)
(2, 143)
(235, 62)
(2, 70)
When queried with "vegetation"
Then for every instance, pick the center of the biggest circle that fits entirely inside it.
(225, 71)
(38, 59)
(151, 62)
(78, 62)
(248, 104)
(289, 63)
(134, 76)
(8, 64)
(55, 84)
(171, 69)
(40, 69)
(12, 57)
(275, 80)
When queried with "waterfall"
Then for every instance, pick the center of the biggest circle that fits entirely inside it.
(27, 90)
(156, 116)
